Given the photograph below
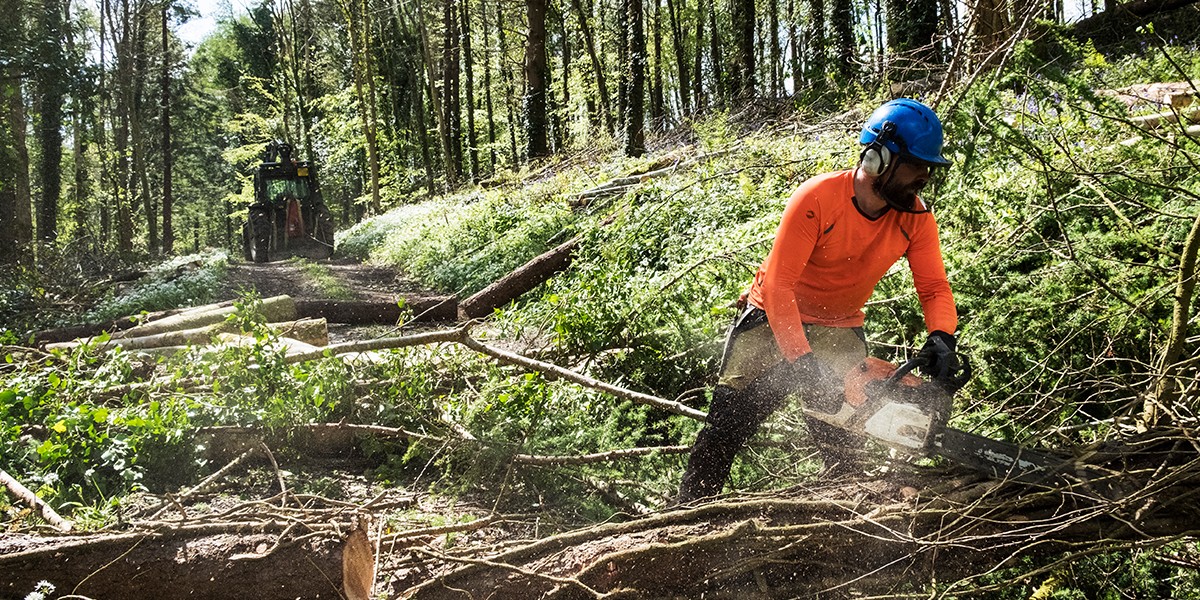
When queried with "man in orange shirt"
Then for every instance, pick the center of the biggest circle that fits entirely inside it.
(801, 330)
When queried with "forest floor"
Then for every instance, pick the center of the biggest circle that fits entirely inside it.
(296, 278)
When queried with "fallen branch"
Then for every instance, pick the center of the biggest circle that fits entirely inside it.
(24, 494)
(420, 309)
(562, 373)
(521, 280)
(462, 336)
(584, 459)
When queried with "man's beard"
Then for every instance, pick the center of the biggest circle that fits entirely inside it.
(902, 197)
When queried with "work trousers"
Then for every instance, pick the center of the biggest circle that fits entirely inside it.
(754, 381)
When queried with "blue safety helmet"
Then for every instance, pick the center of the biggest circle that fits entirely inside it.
(916, 133)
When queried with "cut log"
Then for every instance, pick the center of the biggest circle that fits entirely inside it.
(314, 332)
(24, 494)
(66, 334)
(515, 284)
(422, 309)
(274, 309)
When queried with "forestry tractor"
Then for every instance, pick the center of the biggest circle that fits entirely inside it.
(288, 216)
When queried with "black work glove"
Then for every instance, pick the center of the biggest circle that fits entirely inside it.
(819, 385)
(938, 354)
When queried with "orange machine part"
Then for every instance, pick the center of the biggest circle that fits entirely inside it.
(872, 369)
(295, 223)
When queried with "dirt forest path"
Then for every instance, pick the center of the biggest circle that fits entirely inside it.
(336, 279)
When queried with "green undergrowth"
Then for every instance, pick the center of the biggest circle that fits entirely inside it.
(182, 281)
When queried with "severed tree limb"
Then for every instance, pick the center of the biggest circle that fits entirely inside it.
(24, 494)
(521, 280)
(584, 459)
(420, 339)
(462, 336)
(562, 373)
(475, 525)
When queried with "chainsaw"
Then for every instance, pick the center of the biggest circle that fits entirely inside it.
(897, 408)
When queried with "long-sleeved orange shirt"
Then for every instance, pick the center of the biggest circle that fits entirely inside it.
(828, 256)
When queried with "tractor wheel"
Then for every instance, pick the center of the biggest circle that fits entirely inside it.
(323, 231)
(260, 236)
(246, 244)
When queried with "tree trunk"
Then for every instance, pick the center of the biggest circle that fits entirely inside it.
(509, 84)
(682, 72)
(81, 112)
(537, 143)
(657, 101)
(597, 67)
(817, 43)
(11, 121)
(1160, 408)
(124, 90)
(698, 81)
(635, 112)
(50, 91)
(563, 113)
(138, 177)
(715, 58)
(843, 37)
(794, 46)
(743, 19)
(521, 280)
(434, 100)
(469, 68)
(487, 89)
(451, 72)
(912, 28)
(168, 200)
(776, 49)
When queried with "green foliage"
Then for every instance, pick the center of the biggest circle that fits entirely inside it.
(182, 281)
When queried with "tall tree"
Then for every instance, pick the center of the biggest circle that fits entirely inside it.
(487, 88)
(50, 90)
(434, 98)
(469, 69)
(843, 38)
(678, 44)
(743, 20)
(776, 60)
(657, 102)
(794, 45)
(715, 54)
(635, 110)
(589, 42)
(817, 42)
(537, 142)
(451, 97)
(509, 85)
(12, 125)
(168, 196)
(912, 26)
(698, 70)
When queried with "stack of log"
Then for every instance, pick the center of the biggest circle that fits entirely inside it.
(302, 326)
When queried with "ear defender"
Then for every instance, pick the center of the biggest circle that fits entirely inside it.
(876, 158)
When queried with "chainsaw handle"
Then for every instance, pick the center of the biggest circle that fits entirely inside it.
(952, 381)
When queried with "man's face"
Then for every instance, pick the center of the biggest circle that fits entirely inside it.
(907, 180)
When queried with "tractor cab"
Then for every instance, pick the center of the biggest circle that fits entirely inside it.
(288, 216)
